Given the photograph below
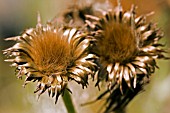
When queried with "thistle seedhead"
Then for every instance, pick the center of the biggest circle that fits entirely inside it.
(75, 15)
(52, 56)
(127, 46)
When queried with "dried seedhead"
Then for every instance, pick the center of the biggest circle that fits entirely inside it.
(127, 46)
(52, 56)
(75, 15)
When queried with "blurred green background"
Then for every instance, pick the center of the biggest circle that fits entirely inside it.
(17, 15)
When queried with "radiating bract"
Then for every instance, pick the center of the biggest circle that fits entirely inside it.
(127, 47)
(52, 56)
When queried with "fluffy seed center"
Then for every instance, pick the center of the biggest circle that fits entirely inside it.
(118, 43)
(51, 52)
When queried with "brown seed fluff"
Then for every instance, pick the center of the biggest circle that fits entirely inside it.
(119, 43)
(51, 52)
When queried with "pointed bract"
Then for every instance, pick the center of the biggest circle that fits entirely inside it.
(127, 47)
(51, 56)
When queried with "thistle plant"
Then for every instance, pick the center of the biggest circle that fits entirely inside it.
(127, 47)
(113, 46)
(51, 56)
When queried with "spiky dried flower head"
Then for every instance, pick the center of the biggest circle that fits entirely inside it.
(51, 56)
(127, 45)
(75, 14)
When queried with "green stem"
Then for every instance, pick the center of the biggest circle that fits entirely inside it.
(68, 102)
